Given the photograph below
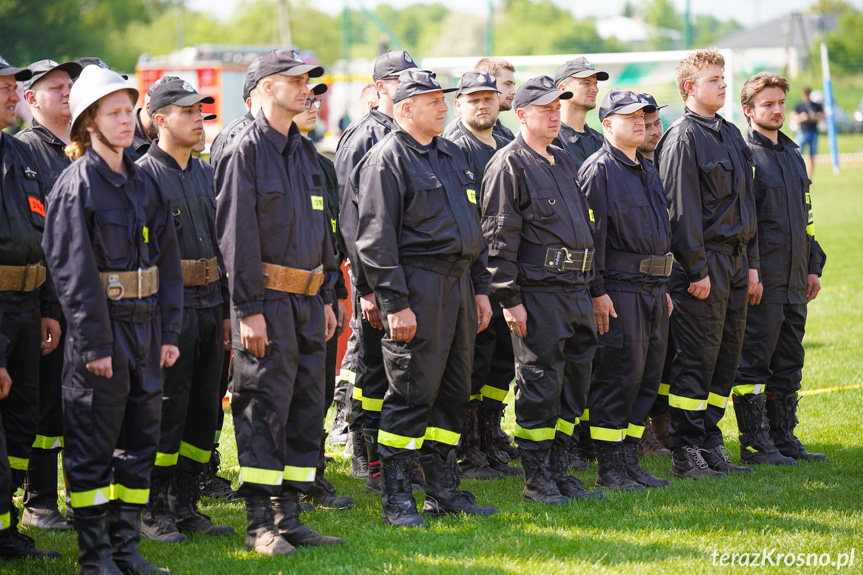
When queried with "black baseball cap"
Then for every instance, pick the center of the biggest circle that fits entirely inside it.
(476, 81)
(578, 68)
(318, 89)
(649, 99)
(392, 63)
(539, 91)
(43, 67)
(21, 74)
(173, 90)
(94, 61)
(413, 82)
(250, 82)
(286, 63)
(623, 102)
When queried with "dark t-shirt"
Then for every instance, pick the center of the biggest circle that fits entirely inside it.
(812, 109)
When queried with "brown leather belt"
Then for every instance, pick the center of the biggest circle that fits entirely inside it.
(127, 285)
(22, 278)
(291, 280)
(200, 272)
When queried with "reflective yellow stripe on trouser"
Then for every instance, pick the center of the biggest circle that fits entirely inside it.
(565, 427)
(4, 520)
(441, 436)
(717, 400)
(476, 397)
(189, 451)
(129, 495)
(399, 441)
(635, 431)
(585, 417)
(664, 389)
(372, 404)
(755, 389)
(306, 474)
(103, 495)
(357, 393)
(680, 402)
(347, 375)
(261, 476)
(166, 459)
(494, 393)
(607, 434)
(46, 443)
(539, 434)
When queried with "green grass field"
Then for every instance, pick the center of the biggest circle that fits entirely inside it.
(810, 508)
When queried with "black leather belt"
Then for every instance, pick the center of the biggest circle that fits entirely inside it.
(722, 248)
(557, 258)
(653, 266)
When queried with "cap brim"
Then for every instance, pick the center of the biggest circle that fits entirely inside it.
(72, 68)
(477, 89)
(318, 89)
(550, 97)
(630, 108)
(193, 99)
(210, 117)
(444, 90)
(312, 71)
(21, 74)
(600, 75)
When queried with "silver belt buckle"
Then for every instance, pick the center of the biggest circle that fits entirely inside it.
(139, 283)
(567, 259)
(115, 289)
(584, 261)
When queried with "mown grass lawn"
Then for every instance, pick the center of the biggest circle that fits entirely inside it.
(810, 508)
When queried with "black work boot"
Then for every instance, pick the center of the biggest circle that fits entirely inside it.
(782, 411)
(158, 519)
(575, 463)
(650, 445)
(214, 486)
(373, 480)
(569, 486)
(443, 495)
(40, 495)
(418, 480)
(473, 464)
(323, 494)
(501, 439)
(586, 446)
(124, 527)
(262, 535)
(634, 470)
(498, 459)
(717, 459)
(659, 426)
(184, 503)
(756, 445)
(15, 545)
(688, 463)
(95, 554)
(287, 509)
(397, 501)
(611, 473)
(360, 456)
(539, 485)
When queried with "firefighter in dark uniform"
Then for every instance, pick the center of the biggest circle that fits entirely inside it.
(233, 129)
(421, 246)
(706, 171)
(477, 99)
(771, 364)
(47, 94)
(190, 396)
(537, 225)
(5, 470)
(31, 311)
(111, 245)
(631, 304)
(211, 484)
(323, 493)
(281, 271)
(370, 384)
(581, 141)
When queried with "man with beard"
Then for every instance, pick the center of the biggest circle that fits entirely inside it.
(47, 94)
(504, 75)
(477, 98)
(771, 364)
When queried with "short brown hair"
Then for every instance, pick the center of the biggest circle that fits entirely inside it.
(754, 85)
(687, 70)
(493, 66)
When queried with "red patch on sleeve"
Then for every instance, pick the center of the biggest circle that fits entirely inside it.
(37, 206)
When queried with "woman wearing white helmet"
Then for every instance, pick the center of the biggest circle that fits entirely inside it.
(112, 250)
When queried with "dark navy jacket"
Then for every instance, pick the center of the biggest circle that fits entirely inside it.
(99, 221)
(579, 145)
(223, 138)
(630, 213)
(48, 151)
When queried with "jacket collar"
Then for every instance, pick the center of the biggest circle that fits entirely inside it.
(623, 158)
(714, 123)
(45, 134)
(569, 134)
(382, 119)
(410, 142)
(279, 140)
(759, 139)
(166, 158)
(101, 166)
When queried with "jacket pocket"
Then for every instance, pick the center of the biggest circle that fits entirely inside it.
(112, 240)
(717, 176)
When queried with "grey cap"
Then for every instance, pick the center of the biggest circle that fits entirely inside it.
(95, 61)
(538, 91)
(578, 68)
(43, 67)
(475, 81)
(623, 102)
(286, 63)
(392, 63)
(21, 74)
